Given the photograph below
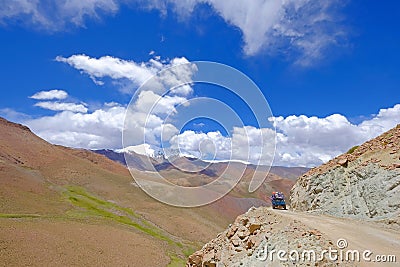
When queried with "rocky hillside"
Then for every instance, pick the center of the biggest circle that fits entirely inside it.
(364, 183)
(256, 232)
(361, 186)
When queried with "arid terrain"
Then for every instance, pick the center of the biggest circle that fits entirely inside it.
(62, 206)
(199, 133)
(262, 229)
(350, 203)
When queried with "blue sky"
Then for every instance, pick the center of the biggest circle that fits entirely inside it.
(330, 71)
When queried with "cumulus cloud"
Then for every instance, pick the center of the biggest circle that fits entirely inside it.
(49, 95)
(100, 129)
(301, 140)
(311, 141)
(146, 118)
(202, 145)
(302, 27)
(146, 128)
(246, 143)
(108, 66)
(149, 102)
(59, 106)
(137, 73)
(155, 101)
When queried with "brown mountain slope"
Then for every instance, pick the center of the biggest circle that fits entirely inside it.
(66, 199)
(39, 222)
(47, 187)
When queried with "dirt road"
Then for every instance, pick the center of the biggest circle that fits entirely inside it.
(359, 235)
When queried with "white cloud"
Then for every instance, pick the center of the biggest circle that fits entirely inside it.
(310, 141)
(108, 66)
(144, 128)
(247, 143)
(55, 15)
(202, 145)
(302, 27)
(49, 95)
(301, 140)
(260, 144)
(13, 9)
(137, 73)
(157, 98)
(99, 129)
(149, 102)
(58, 106)
(383, 121)
(111, 104)
(77, 10)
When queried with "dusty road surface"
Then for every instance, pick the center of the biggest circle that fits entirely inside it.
(359, 235)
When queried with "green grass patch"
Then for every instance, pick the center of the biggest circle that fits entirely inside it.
(351, 150)
(96, 206)
(90, 205)
(11, 215)
(188, 251)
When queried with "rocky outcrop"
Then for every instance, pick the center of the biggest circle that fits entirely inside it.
(363, 183)
(247, 241)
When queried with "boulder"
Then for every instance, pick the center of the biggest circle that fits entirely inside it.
(343, 162)
(253, 227)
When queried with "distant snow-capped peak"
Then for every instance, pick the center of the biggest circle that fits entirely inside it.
(227, 161)
(156, 152)
(142, 149)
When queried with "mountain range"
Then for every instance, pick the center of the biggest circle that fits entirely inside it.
(64, 206)
(139, 163)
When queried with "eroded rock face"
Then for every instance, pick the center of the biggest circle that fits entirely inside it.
(369, 192)
(246, 241)
(363, 184)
